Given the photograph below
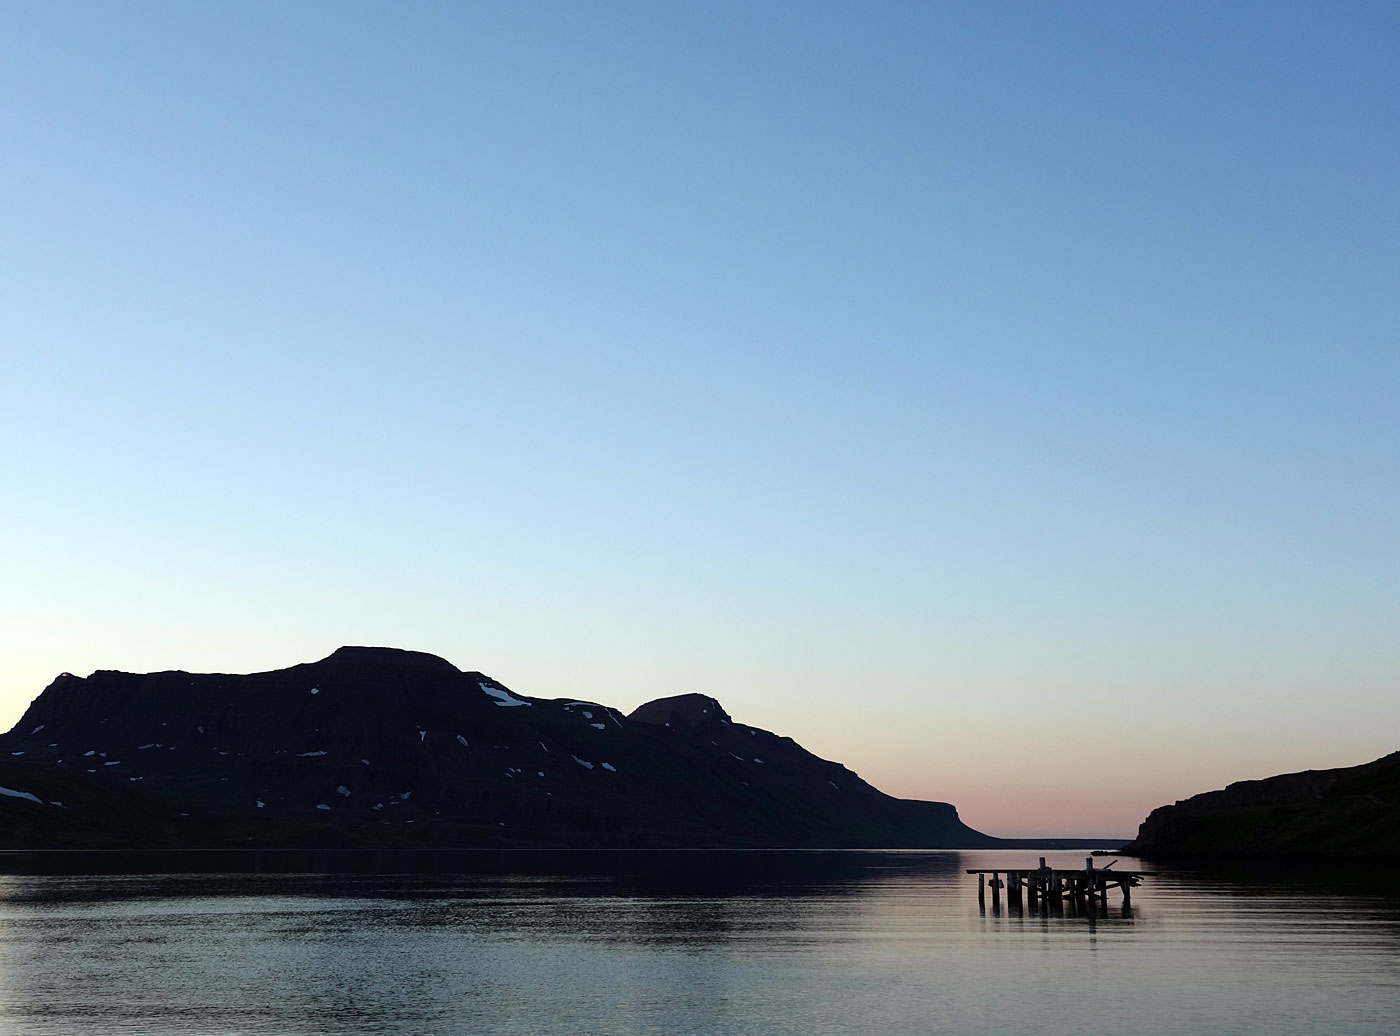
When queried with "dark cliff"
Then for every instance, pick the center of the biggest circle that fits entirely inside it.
(375, 747)
(1353, 811)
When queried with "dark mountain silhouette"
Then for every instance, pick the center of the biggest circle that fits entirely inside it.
(1353, 811)
(379, 747)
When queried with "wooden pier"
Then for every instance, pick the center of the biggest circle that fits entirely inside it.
(1051, 888)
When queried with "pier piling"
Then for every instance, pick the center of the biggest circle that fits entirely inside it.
(1048, 888)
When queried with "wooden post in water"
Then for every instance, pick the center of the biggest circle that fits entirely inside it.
(996, 892)
(982, 892)
(1098, 887)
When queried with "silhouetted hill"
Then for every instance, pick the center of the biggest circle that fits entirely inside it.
(379, 747)
(1354, 811)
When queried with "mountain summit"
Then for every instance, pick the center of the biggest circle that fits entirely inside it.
(376, 746)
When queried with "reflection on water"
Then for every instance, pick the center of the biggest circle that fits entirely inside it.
(693, 943)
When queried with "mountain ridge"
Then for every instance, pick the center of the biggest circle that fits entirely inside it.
(1351, 811)
(382, 747)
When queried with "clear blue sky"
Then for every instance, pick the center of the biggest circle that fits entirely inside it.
(997, 398)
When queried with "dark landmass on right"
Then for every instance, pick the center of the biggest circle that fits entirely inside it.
(1350, 812)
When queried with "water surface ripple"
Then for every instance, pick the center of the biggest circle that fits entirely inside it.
(715, 943)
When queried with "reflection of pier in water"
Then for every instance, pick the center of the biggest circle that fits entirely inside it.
(1052, 888)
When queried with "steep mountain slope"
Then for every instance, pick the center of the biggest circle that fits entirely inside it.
(1353, 811)
(383, 747)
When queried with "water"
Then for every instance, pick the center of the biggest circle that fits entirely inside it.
(734, 943)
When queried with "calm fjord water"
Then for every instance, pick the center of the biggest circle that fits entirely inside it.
(696, 943)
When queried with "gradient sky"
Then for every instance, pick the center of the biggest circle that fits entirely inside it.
(1001, 399)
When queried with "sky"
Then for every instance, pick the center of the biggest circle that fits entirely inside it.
(1001, 399)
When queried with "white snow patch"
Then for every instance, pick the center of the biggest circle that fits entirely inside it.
(405, 795)
(610, 766)
(17, 753)
(343, 790)
(583, 762)
(377, 805)
(422, 736)
(21, 795)
(55, 802)
(200, 729)
(504, 698)
(92, 752)
(261, 803)
(322, 805)
(600, 726)
(463, 741)
(134, 778)
(315, 690)
(114, 762)
(541, 773)
(587, 714)
(543, 745)
(36, 730)
(365, 761)
(308, 755)
(142, 748)
(834, 785)
(757, 760)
